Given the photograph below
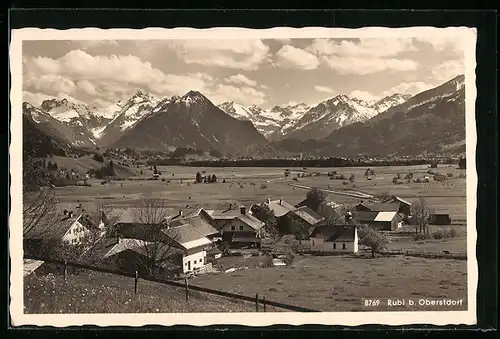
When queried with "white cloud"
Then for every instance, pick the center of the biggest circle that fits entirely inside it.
(408, 88)
(448, 70)
(87, 87)
(363, 95)
(324, 89)
(441, 42)
(50, 84)
(365, 47)
(230, 53)
(243, 95)
(111, 77)
(364, 56)
(364, 66)
(295, 58)
(240, 79)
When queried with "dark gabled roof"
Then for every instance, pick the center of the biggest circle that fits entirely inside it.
(308, 215)
(365, 216)
(251, 221)
(334, 232)
(343, 233)
(196, 222)
(398, 199)
(383, 207)
(186, 236)
(55, 231)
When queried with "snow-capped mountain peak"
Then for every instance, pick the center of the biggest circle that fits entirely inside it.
(194, 97)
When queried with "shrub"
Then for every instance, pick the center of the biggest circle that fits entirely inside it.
(449, 175)
(263, 186)
(439, 234)
(421, 236)
(295, 179)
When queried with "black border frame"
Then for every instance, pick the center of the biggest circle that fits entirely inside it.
(486, 117)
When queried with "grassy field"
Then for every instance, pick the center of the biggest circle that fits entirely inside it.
(95, 292)
(251, 185)
(341, 283)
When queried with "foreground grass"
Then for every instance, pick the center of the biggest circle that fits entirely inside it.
(95, 292)
(341, 283)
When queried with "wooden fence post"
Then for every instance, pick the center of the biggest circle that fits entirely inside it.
(187, 289)
(136, 277)
(264, 303)
(65, 270)
(256, 302)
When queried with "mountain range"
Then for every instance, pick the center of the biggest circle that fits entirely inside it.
(339, 125)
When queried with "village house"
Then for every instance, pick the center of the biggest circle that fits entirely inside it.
(335, 238)
(327, 207)
(306, 218)
(179, 248)
(197, 222)
(70, 229)
(440, 218)
(135, 254)
(192, 243)
(404, 205)
(236, 225)
(387, 221)
(280, 207)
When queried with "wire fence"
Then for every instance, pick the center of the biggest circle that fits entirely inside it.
(258, 300)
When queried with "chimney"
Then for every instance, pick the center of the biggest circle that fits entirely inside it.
(70, 214)
(280, 201)
(268, 201)
(243, 210)
(230, 206)
(180, 213)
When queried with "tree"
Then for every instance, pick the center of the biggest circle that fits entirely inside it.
(98, 157)
(214, 178)
(369, 237)
(39, 199)
(315, 197)
(199, 178)
(420, 214)
(266, 215)
(150, 216)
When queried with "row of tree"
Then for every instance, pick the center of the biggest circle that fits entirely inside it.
(206, 179)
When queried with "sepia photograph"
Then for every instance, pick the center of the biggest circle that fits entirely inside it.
(205, 173)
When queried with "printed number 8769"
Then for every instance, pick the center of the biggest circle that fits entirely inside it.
(372, 302)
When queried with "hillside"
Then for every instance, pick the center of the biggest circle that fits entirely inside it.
(37, 143)
(430, 122)
(94, 292)
(192, 121)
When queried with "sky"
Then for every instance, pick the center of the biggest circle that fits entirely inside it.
(265, 73)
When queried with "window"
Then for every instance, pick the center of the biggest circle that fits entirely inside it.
(343, 246)
(334, 246)
(233, 228)
(241, 228)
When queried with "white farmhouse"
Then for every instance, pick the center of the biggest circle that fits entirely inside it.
(335, 238)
